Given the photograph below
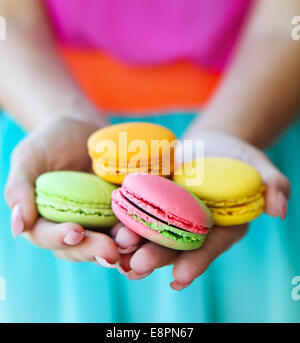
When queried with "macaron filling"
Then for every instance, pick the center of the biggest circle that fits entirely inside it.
(150, 167)
(171, 231)
(255, 206)
(63, 204)
(241, 201)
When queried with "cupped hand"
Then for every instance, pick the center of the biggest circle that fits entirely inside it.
(59, 144)
(188, 265)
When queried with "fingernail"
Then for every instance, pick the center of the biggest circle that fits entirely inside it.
(74, 237)
(178, 286)
(282, 205)
(128, 250)
(122, 238)
(105, 263)
(133, 275)
(17, 223)
(122, 269)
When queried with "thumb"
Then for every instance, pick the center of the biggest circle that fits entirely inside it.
(20, 187)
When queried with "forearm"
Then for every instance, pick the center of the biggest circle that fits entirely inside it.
(259, 95)
(34, 83)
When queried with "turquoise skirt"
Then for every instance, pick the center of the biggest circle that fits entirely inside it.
(252, 282)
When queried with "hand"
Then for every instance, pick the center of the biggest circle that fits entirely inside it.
(58, 144)
(191, 264)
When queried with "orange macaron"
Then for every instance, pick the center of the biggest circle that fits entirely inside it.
(119, 150)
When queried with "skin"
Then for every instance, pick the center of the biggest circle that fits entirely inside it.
(249, 110)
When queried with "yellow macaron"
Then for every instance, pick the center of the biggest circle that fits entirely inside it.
(121, 149)
(233, 190)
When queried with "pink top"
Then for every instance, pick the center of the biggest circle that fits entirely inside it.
(144, 32)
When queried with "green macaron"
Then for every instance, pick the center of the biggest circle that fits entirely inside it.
(70, 196)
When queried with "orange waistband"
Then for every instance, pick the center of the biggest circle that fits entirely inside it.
(115, 86)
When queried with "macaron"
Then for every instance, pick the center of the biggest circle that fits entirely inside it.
(161, 211)
(70, 196)
(233, 190)
(119, 150)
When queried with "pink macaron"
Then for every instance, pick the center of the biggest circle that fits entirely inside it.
(162, 211)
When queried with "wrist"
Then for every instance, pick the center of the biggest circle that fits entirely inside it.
(82, 112)
(69, 124)
(218, 122)
(200, 126)
(85, 115)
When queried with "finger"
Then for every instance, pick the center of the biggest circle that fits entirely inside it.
(191, 264)
(278, 186)
(53, 236)
(63, 255)
(123, 264)
(149, 257)
(96, 247)
(20, 188)
(127, 240)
